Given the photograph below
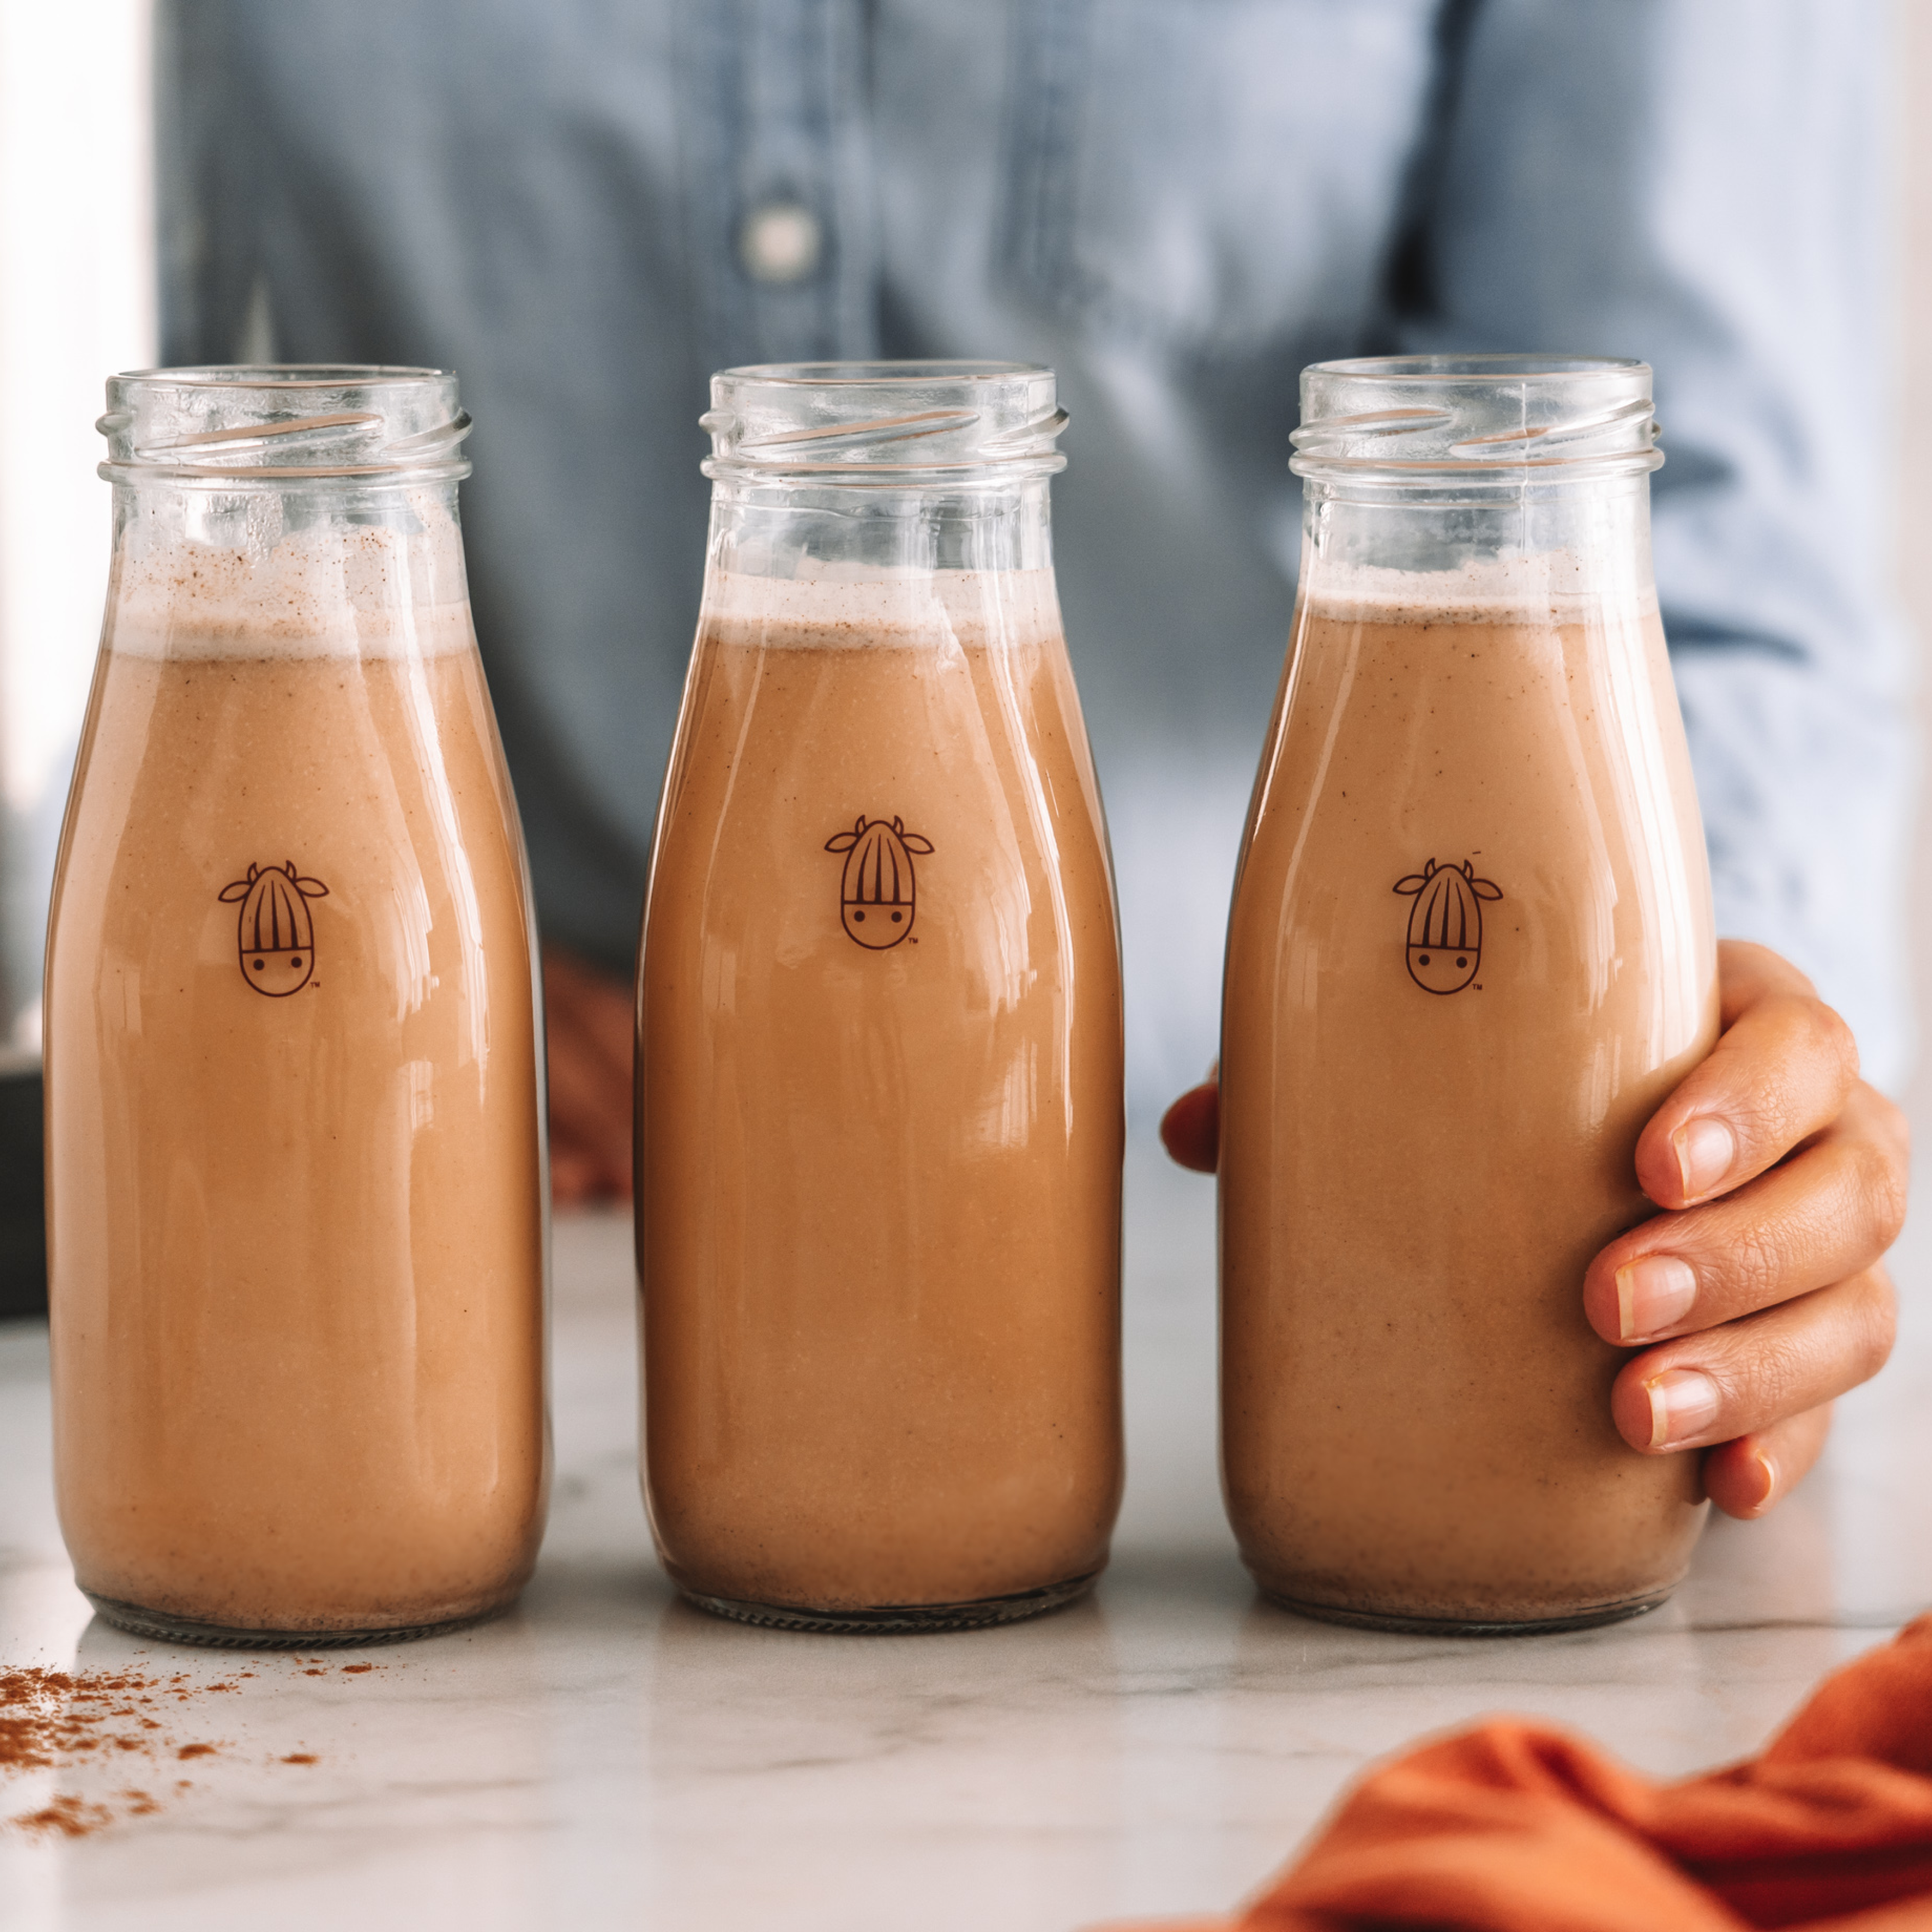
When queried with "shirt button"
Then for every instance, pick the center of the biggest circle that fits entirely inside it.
(780, 242)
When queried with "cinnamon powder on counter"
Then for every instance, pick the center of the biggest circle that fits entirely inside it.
(62, 1721)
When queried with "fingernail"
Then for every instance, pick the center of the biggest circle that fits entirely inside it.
(1705, 1149)
(1767, 1469)
(1653, 1294)
(1683, 1403)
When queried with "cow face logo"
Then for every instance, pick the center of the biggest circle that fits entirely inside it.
(276, 936)
(877, 891)
(1445, 925)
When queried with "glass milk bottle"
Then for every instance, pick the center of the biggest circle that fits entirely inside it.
(880, 1089)
(295, 1156)
(1471, 951)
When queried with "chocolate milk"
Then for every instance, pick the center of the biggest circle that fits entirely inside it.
(1470, 952)
(880, 1116)
(296, 1217)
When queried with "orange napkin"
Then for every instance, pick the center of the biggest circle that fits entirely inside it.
(1517, 1827)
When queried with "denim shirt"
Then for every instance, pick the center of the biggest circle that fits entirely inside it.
(1177, 204)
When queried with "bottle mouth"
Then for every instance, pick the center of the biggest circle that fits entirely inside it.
(276, 424)
(880, 422)
(1419, 419)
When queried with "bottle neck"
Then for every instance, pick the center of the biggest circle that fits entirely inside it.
(1586, 540)
(785, 528)
(332, 566)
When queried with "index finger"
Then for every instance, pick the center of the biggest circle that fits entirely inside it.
(1781, 1070)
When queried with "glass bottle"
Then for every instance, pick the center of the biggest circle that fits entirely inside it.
(1471, 951)
(295, 1189)
(880, 1102)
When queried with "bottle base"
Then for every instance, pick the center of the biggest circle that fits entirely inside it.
(1402, 1624)
(172, 1629)
(898, 1619)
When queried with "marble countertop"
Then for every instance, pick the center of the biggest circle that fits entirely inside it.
(607, 1757)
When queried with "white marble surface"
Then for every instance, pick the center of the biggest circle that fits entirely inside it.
(607, 1757)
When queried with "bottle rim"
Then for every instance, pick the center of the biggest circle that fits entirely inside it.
(882, 422)
(1440, 420)
(1486, 365)
(884, 372)
(280, 423)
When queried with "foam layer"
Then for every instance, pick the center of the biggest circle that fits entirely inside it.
(1501, 589)
(338, 591)
(853, 607)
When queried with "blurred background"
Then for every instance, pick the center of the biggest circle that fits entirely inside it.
(1912, 544)
(77, 300)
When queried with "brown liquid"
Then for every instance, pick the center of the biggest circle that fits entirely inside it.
(879, 1186)
(1424, 1140)
(297, 1259)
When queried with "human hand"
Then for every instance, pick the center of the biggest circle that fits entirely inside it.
(590, 1021)
(1783, 1175)
(1758, 1295)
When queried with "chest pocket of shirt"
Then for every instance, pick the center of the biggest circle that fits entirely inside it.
(1213, 174)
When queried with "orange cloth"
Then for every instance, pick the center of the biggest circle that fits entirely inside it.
(1517, 1827)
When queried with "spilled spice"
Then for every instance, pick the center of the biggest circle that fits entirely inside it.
(67, 1722)
(72, 1817)
(49, 1717)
